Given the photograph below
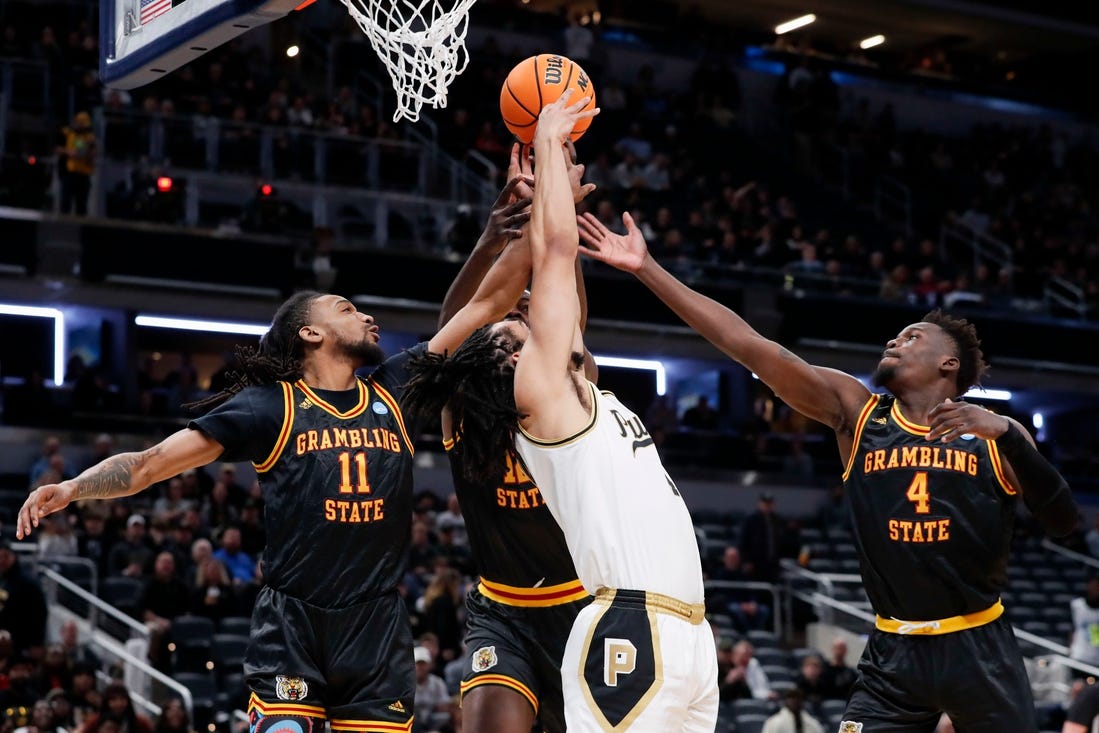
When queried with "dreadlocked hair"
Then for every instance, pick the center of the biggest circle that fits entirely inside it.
(972, 366)
(278, 358)
(476, 383)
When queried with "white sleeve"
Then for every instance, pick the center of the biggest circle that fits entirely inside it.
(757, 680)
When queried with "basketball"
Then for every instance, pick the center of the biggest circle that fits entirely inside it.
(536, 82)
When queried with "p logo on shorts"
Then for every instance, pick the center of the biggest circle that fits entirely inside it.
(620, 664)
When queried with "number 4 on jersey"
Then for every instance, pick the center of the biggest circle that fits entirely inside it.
(917, 493)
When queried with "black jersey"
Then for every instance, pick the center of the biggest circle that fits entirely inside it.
(932, 520)
(517, 546)
(336, 472)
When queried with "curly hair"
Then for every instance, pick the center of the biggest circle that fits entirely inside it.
(476, 383)
(972, 366)
(278, 357)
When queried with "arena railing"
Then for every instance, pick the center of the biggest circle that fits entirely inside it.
(107, 639)
(1048, 544)
(769, 588)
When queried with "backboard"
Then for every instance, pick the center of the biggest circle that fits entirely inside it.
(142, 40)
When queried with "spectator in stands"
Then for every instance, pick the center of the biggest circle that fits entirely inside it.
(54, 469)
(797, 462)
(833, 516)
(133, 554)
(20, 689)
(118, 710)
(61, 705)
(218, 511)
(746, 678)
(747, 612)
(51, 446)
(164, 597)
(76, 651)
(452, 518)
(761, 540)
(92, 541)
(253, 535)
(172, 503)
(838, 677)
(54, 671)
(41, 720)
(84, 694)
(213, 595)
(422, 551)
(58, 540)
(241, 566)
(102, 448)
(173, 718)
(792, 718)
(701, 415)
(810, 680)
(661, 419)
(78, 150)
(1084, 645)
(23, 610)
(451, 553)
(1083, 711)
(440, 606)
(432, 699)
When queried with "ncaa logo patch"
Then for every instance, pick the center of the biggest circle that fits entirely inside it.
(484, 658)
(290, 688)
(850, 726)
(379, 408)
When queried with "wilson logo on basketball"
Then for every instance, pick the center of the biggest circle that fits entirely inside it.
(554, 66)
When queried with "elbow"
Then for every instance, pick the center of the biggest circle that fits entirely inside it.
(1059, 516)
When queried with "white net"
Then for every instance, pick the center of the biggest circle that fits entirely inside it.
(421, 42)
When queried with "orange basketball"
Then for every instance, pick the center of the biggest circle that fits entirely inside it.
(538, 81)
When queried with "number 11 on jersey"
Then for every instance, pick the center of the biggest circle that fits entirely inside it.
(362, 485)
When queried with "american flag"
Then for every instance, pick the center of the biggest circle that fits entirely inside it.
(152, 8)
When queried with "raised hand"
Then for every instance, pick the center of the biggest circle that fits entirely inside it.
(950, 419)
(520, 166)
(558, 118)
(509, 214)
(43, 501)
(625, 251)
(580, 190)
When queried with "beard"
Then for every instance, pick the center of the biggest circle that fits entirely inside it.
(882, 376)
(364, 350)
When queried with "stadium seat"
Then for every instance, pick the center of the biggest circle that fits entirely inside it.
(227, 652)
(240, 625)
(752, 706)
(779, 673)
(192, 640)
(751, 723)
(763, 639)
(232, 692)
(122, 592)
(204, 694)
(829, 708)
(773, 657)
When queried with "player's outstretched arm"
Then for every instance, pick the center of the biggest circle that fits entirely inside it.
(495, 296)
(826, 395)
(509, 215)
(121, 475)
(543, 387)
(1044, 489)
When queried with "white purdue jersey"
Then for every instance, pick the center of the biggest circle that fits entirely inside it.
(622, 516)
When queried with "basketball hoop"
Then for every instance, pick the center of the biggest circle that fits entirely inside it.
(421, 43)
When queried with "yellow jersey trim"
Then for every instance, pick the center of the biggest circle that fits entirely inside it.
(285, 708)
(392, 403)
(998, 468)
(695, 613)
(907, 425)
(360, 406)
(575, 436)
(943, 625)
(550, 595)
(871, 403)
(372, 726)
(503, 681)
(284, 432)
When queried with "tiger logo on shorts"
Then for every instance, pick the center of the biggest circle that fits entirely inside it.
(850, 726)
(484, 658)
(291, 688)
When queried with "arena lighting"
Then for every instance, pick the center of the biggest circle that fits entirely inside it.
(793, 25)
(871, 42)
(1038, 420)
(164, 184)
(58, 317)
(622, 362)
(292, 51)
(980, 393)
(191, 324)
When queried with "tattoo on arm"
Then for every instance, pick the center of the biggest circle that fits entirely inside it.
(112, 477)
